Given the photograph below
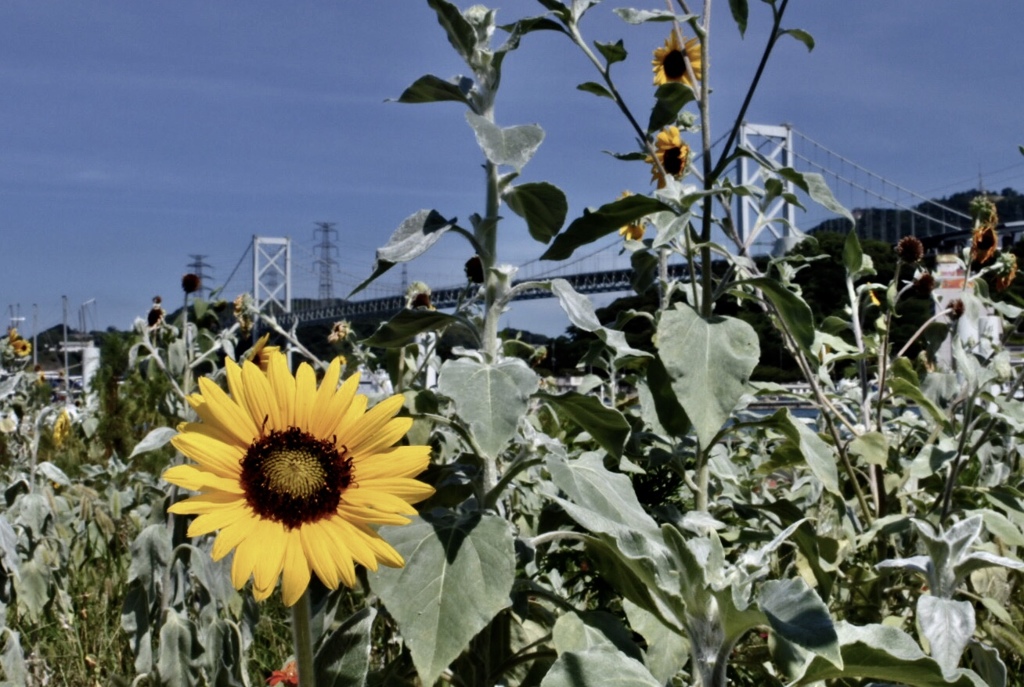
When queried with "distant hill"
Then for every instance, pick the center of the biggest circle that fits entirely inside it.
(885, 224)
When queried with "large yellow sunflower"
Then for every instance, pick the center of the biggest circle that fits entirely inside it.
(670, 61)
(295, 476)
(673, 154)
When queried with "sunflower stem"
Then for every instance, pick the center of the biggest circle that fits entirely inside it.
(302, 638)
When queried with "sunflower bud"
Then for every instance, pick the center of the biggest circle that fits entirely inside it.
(910, 250)
(190, 283)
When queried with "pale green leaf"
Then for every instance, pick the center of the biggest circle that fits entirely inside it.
(542, 205)
(512, 146)
(490, 398)
(709, 362)
(607, 426)
(458, 575)
(412, 238)
(343, 660)
(799, 615)
(948, 625)
(598, 667)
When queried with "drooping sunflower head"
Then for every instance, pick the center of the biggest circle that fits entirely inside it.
(669, 62)
(673, 154)
(984, 243)
(296, 476)
(1007, 271)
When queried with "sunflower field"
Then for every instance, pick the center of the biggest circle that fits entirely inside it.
(239, 510)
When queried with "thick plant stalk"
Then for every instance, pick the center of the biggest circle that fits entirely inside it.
(302, 639)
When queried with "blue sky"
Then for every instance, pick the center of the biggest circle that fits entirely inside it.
(134, 135)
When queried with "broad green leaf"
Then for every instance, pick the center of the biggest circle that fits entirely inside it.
(512, 146)
(799, 615)
(151, 554)
(882, 653)
(458, 575)
(813, 184)
(709, 362)
(583, 630)
(793, 310)
(33, 588)
(412, 238)
(740, 13)
(801, 36)
(607, 426)
(12, 660)
(490, 398)
(180, 650)
(461, 33)
(948, 625)
(599, 667)
(853, 256)
(988, 664)
(581, 313)
(597, 224)
(667, 650)
(343, 660)
(222, 655)
(670, 414)
(634, 16)
(136, 624)
(433, 89)
(670, 98)
(818, 455)
(542, 205)
(157, 438)
(580, 7)
(402, 329)
(872, 447)
(612, 52)
(595, 88)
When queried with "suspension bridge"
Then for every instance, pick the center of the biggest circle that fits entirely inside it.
(297, 280)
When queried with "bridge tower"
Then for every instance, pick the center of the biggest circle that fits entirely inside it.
(272, 273)
(776, 144)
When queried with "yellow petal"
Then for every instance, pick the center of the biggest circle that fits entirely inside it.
(324, 395)
(360, 515)
(208, 522)
(372, 422)
(295, 573)
(273, 540)
(283, 385)
(213, 454)
(377, 501)
(259, 398)
(409, 490)
(196, 479)
(305, 396)
(322, 553)
(402, 461)
(328, 416)
(385, 438)
(230, 416)
(232, 535)
(204, 503)
(381, 549)
(354, 539)
(247, 552)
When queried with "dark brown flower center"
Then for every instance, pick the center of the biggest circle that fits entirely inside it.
(674, 160)
(294, 478)
(674, 65)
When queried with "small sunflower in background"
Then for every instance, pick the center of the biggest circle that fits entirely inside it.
(984, 240)
(635, 230)
(669, 62)
(673, 154)
(296, 477)
(61, 428)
